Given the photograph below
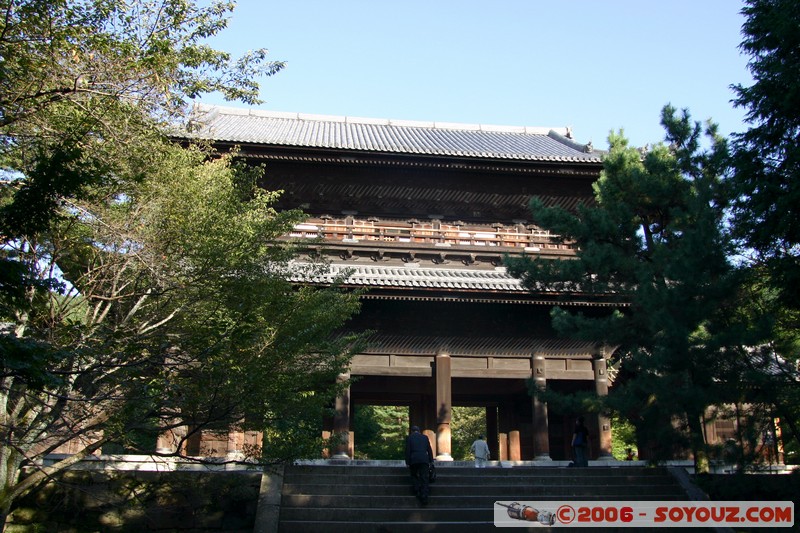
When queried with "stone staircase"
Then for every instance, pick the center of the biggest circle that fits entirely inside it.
(366, 498)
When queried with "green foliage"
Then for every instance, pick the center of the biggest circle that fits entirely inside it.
(467, 424)
(623, 436)
(577, 402)
(380, 431)
(179, 313)
(791, 452)
(143, 285)
(86, 85)
(654, 244)
(765, 188)
(767, 156)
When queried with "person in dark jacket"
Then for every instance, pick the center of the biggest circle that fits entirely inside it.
(580, 442)
(419, 456)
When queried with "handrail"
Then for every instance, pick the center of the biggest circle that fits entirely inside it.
(359, 230)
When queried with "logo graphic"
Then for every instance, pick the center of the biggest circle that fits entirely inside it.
(518, 511)
(643, 514)
(566, 514)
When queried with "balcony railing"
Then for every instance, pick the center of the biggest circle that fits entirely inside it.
(353, 230)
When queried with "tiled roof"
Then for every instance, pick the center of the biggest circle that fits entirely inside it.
(254, 126)
(412, 277)
(455, 281)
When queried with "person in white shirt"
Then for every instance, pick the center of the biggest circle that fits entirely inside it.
(480, 450)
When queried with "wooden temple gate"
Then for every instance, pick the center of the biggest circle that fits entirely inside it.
(519, 427)
(421, 215)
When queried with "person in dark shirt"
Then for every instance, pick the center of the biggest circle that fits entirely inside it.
(629, 455)
(419, 456)
(580, 443)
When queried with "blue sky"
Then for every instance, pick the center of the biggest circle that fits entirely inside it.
(592, 65)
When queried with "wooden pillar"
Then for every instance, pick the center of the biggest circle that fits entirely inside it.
(504, 426)
(709, 427)
(326, 452)
(444, 406)
(253, 439)
(418, 416)
(341, 421)
(431, 438)
(502, 443)
(351, 443)
(193, 442)
(165, 442)
(327, 433)
(172, 440)
(541, 429)
(603, 429)
(779, 451)
(235, 448)
(428, 424)
(514, 453)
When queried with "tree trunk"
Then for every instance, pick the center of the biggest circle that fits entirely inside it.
(11, 493)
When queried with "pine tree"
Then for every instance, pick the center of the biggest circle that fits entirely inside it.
(765, 187)
(766, 178)
(654, 245)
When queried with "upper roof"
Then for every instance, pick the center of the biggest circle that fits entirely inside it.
(253, 126)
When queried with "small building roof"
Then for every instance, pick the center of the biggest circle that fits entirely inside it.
(254, 126)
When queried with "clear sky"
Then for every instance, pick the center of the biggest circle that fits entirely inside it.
(592, 65)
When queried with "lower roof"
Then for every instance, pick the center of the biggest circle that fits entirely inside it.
(411, 281)
(413, 276)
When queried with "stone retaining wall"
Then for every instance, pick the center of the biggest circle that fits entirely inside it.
(136, 501)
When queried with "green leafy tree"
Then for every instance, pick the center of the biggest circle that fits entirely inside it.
(467, 425)
(654, 244)
(84, 81)
(381, 431)
(175, 316)
(623, 436)
(142, 285)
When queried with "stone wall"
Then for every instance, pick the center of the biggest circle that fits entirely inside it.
(136, 501)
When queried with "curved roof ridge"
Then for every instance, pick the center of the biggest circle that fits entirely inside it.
(279, 128)
(564, 131)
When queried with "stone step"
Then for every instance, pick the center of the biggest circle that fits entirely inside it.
(422, 527)
(448, 468)
(438, 500)
(628, 491)
(479, 479)
(383, 526)
(416, 513)
(379, 498)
